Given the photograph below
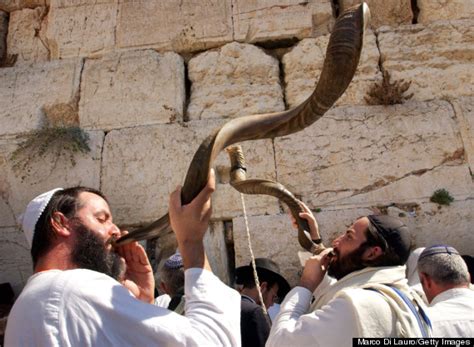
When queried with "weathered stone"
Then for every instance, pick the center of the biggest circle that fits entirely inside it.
(436, 58)
(132, 88)
(44, 172)
(375, 155)
(15, 5)
(304, 63)
(275, 20)
(464, 110)
(179, 26)
(432, 224)
(236, 80)
(25, 90)
(387, 12)
(81, 27)
(3, 34)
(26, 35)
(433, 10)
(216, 251)
(140, 193)
(15, 259)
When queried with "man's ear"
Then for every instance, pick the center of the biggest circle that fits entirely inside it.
(60, 224)
(425, 280)
(263, 286)
(373, 253)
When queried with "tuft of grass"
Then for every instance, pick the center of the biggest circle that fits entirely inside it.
(388, 93)
(442, 197)
(55, 141)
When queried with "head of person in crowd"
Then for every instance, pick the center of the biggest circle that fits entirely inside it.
(72, 228)
(372, 241)
(172, 275)
(441, 268)
(470, 265)
(273, 285)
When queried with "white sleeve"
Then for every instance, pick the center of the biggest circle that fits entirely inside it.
(103, 313)
(332, 325)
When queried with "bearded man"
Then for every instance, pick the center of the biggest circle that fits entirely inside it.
(364, 295)
(85, 293)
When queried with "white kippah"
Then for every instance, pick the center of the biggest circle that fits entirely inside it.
(33, 212)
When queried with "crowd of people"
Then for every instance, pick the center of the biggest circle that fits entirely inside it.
(85, 292)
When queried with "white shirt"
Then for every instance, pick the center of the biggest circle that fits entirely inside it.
(87, 308)
(350, 311)
(452, 313)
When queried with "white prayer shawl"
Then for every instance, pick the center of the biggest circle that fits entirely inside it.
(375, 278)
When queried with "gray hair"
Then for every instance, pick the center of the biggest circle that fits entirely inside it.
(174, 279)
(445, 268)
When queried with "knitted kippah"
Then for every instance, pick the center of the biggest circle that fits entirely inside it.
(175, 261)
(33, 212)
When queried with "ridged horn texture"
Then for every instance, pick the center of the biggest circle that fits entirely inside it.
(340, 64)
(238, 180)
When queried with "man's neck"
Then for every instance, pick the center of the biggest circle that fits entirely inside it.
(57, 258)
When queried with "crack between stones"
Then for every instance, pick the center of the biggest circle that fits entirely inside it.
(43, 15)
(383, 183)
(283, 7)
(377, 43)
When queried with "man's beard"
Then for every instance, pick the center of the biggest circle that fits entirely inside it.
(351, 262)
(90, 252)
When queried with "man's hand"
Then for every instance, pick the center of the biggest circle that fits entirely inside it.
(138, 277)
(308, 215)
(315, 269)
(190, 222)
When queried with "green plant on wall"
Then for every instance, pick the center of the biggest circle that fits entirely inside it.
(388, 93)
(56, 141)
(442, 197)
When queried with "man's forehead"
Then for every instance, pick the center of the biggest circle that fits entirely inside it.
(361, 225)
(91, 200)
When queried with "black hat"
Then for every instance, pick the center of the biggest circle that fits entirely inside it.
(266, 267)
(394, 232)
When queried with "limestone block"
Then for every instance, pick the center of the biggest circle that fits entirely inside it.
(433, 10)
(387, 12)
(464, 109)
(274, 237)
(26, 35)
(3, 33)
(178, 26)
(44, 173)
(431, 224)
(26, 89)
(152, 160)
(15, 5)
(263, 20)
(236, 80)
(303, 65)
(81, 27)
(15, 259)
(132, 88)
(216, 251)
(373, 155)
(437, 58)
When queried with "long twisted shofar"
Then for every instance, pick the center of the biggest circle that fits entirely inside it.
(340, 64)
(238, 180)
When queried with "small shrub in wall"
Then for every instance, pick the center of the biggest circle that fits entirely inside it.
(388, 93)
(442, 197)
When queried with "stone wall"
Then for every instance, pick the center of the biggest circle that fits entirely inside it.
(148, 81)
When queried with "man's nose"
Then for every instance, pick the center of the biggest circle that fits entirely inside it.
(114, 230)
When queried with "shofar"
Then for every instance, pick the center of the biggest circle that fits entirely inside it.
(238, 180)
(340, 64)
